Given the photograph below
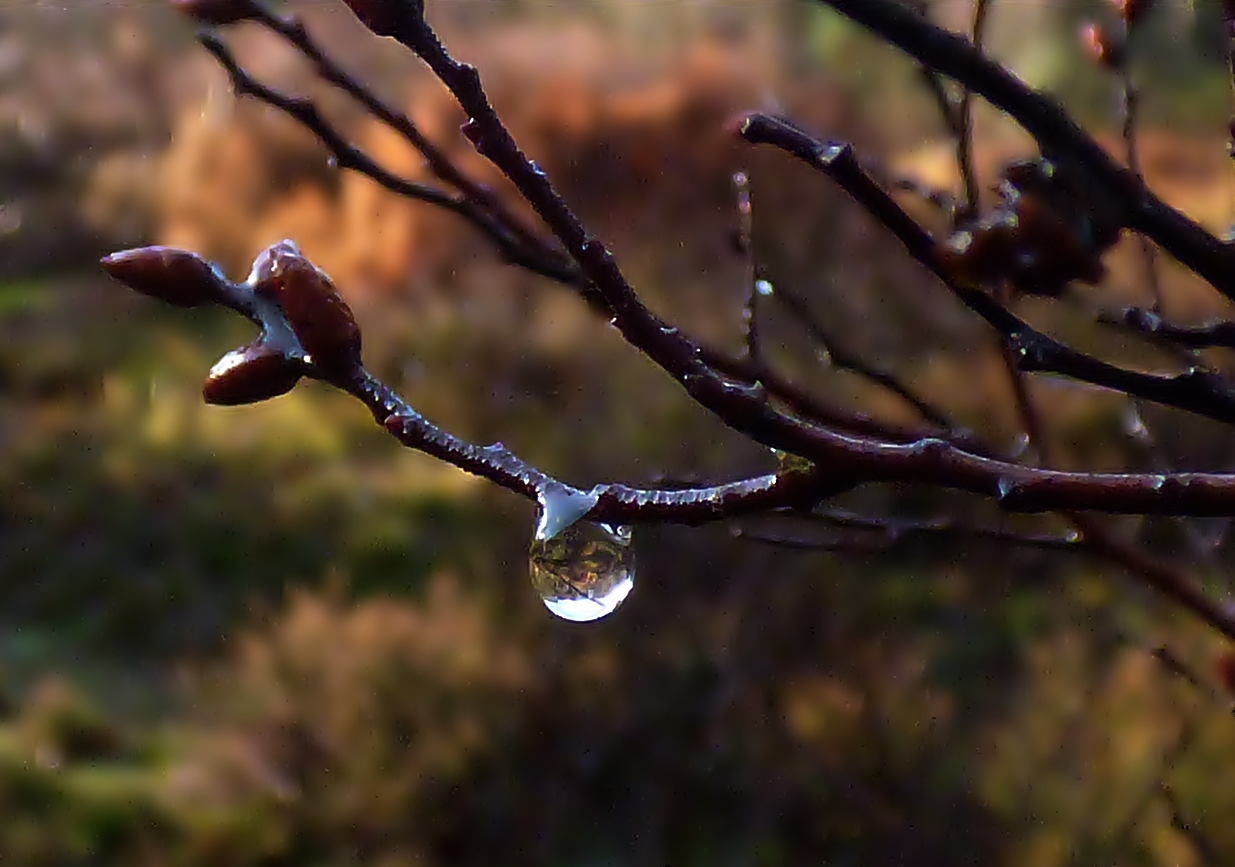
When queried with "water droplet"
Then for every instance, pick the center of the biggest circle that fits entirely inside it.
(584, 572)
(332, 162)
(1006, 488)
(561, 506)
(1157, 483)
(764, 287)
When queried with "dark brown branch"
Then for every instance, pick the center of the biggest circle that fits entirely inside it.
(1198, 391)
(535, 255)
(843, 460)
(1044, 119)
(300, 318)
(745, 408)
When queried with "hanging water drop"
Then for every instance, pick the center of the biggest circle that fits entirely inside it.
(585, 571)
(764, 287)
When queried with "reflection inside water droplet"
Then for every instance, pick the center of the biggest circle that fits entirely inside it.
(584, 572)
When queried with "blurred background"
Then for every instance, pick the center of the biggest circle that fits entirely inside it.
(267, 635)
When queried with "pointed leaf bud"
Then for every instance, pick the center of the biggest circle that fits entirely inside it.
(175, 276)
(318, 315)
(251, 374)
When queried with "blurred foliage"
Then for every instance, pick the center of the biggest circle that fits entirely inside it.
(268, 636)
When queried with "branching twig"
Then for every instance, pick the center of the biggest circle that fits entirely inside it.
(1199, 391)
(1044, 119)
(842, 359)
(511, 242)
(756, 286)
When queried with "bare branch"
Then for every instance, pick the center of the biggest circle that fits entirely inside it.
(303, 322)
(1044, 119)
(1198, 391)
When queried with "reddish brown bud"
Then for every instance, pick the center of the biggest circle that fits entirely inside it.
(318, 315)
(1104, 46)
(175, 276)
(386, 17)
(217, 13)
(254, 373)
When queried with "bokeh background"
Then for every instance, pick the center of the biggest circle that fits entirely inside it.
(269, 636)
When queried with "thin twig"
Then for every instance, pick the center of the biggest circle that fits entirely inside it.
(292, 29)
(964, 137)
(1149, 256)
(347, 156)
(1207, 335)
(755, 284)
(842, 359)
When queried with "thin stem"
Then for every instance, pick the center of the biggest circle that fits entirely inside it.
(755, 284)
(964, 113)
(1149, 256)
